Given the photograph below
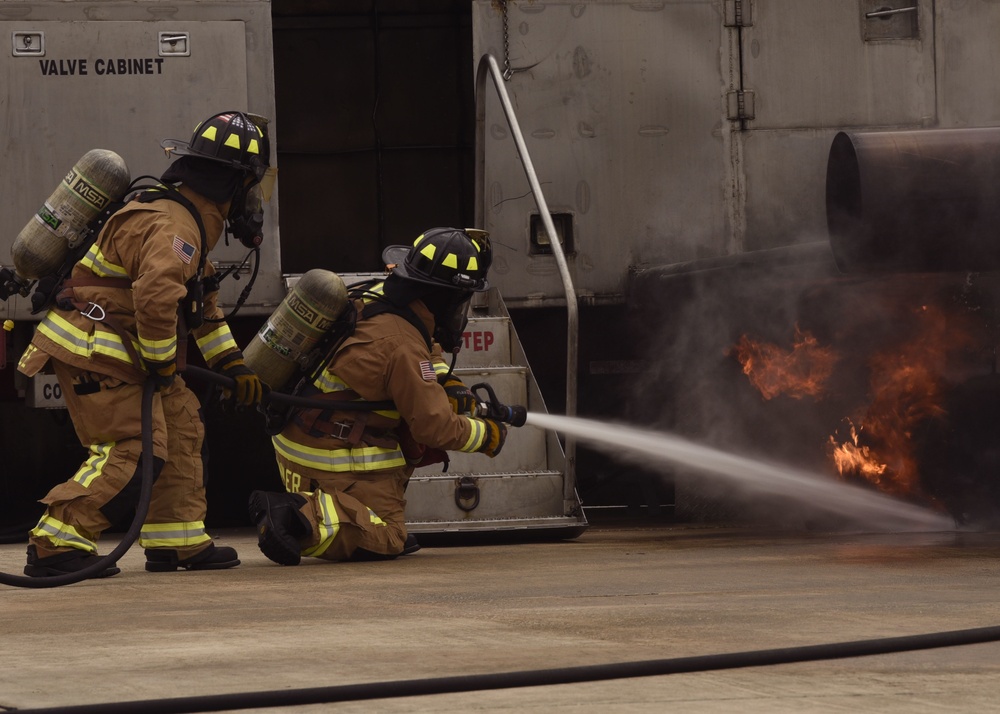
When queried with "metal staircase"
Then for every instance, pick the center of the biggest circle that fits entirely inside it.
(525, 487)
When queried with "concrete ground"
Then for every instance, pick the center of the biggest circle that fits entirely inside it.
(615, 594)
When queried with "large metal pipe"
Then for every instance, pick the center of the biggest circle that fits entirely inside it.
(915, 201)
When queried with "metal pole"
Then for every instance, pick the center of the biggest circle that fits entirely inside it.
(488, 66)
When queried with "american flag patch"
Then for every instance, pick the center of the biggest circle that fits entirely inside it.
(427, 372)
(184, 250)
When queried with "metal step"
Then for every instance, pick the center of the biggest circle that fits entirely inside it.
(469, 497)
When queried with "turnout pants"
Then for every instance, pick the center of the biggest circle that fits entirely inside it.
(107, 416)
(349, 511)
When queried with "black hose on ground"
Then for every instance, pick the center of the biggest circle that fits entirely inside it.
(142, 507)
(534, 678)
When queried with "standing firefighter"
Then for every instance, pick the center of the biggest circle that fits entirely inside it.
(123, 317)
(346, 471)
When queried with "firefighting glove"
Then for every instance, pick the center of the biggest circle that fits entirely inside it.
(248, 390)
(462, 400)
(496, 435)
(161, 373)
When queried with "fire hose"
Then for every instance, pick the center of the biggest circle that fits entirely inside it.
(491, 407)
(535, 678)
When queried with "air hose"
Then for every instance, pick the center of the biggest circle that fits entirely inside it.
(142, 507)
(535, 678)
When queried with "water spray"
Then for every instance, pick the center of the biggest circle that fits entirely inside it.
(817, 491)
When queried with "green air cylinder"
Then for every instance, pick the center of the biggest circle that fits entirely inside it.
(307, 313)
(97, 179)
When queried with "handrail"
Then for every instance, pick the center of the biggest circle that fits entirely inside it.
(488, 66)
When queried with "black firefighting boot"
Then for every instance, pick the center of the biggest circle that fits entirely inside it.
(62, 563)
(362, 555)
(167, 560)
(411, 545)
(280, 525)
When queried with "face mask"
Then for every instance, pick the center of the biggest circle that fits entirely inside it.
(449, 327)
(246, 217)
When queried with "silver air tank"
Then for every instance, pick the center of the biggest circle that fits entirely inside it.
(97, 179)
(307, 313)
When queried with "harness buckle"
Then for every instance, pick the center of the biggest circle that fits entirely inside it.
(341, 429)
(94, 312)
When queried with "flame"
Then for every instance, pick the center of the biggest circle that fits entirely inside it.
(799, 372)
(906, 388)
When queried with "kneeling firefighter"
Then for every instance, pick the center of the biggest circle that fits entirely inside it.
(345, 471)
(123, 317)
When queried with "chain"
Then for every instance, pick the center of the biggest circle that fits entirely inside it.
(507, 71)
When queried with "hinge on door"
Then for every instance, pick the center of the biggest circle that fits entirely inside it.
(740, 104)
(738, 13)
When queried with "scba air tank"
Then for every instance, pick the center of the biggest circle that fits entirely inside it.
(97, 179)
(307, 313)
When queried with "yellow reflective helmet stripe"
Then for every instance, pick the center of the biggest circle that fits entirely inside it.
(473, 263)
(233, 141)
(173, 535)
(428, 251)
(450, 261)
(210, 133)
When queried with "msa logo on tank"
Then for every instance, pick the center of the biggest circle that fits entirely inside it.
(308, 313)
(78, 184)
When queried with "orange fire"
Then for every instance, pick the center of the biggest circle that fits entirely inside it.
(906, 389)
(797, 373)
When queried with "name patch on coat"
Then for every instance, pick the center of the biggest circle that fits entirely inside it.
(427, 372)
(184, 250)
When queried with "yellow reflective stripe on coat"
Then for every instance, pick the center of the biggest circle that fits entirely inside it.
(158, 350)
(476, 438)
(216, 342)
(94, 465)
(62, 535)
(99, 265)
(73, 339)
(366, 458)
(173, 535)
(329, 527)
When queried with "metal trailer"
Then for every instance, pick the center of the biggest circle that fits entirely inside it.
(669, 139)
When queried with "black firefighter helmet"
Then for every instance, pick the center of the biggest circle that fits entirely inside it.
(452, 258)
(451, 263)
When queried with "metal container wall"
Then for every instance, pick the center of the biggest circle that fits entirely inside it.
(79, 76)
